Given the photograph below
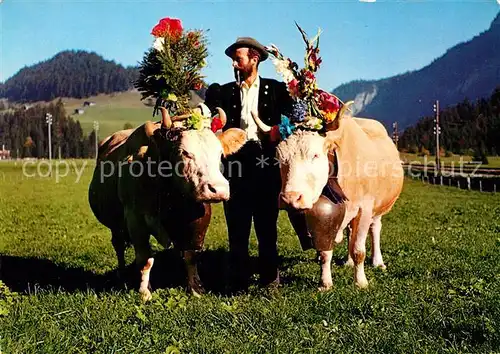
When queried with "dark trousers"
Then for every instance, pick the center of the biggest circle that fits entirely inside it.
(254, 186)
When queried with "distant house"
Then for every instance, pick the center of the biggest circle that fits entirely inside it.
(79, 111)
(4, 154)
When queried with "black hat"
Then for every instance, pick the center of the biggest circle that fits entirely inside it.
(247, 42)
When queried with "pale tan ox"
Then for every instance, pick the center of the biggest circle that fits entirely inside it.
(369, 173)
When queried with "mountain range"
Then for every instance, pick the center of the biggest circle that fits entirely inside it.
(467, 71)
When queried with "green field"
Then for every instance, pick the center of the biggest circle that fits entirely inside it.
(439, 294)
(456, 160)
(111, 111)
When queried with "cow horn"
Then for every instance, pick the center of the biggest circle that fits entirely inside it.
(262, 126)
(166, 122)
(346, 107)
(181, 117)
(222, 116)
(149, 128)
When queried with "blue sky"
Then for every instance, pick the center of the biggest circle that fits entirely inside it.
(360, 40)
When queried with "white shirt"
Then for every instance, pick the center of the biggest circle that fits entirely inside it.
(249, 102)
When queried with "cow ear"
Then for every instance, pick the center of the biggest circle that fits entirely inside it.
(232, 140)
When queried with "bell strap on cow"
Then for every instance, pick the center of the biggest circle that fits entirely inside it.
(332, 189)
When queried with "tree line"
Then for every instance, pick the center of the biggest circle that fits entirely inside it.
(69, 73)
(468, 128)
(25, 133)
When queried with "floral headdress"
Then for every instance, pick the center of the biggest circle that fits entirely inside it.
(171, 68)
(313, 108)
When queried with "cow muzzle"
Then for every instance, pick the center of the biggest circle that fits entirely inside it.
(213, 192)
(294, 200)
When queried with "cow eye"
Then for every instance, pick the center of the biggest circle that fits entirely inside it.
(187, 154)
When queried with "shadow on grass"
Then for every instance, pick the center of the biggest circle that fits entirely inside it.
(24, 275)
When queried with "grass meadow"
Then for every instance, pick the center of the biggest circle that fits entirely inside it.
(111, 111)
(60, 293)
(455, 160)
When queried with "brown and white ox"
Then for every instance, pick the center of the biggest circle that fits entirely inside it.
(368, 172)
(159, 179)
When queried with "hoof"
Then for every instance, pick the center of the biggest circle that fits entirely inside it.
(362, 283)
(197, 293)
(380, 265)
(145, 295)
(196, 288)
(325, 287)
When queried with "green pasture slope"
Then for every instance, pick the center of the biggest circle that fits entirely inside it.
(111, 111)
(440, 293)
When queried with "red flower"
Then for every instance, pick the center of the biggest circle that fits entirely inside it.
(328, 103)
(309, 76)
(314, 61)
(167, 26)
(293, 87)
(194, 37)
(275, 133)
(197, 86)
(216, 124)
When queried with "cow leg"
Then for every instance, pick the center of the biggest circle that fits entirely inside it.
(139, 235)
(191, 262)
(191, 245)
(145, 287)
(357, 247)
(325, 259)
(349, 262)
(118, 241)
(375, 228)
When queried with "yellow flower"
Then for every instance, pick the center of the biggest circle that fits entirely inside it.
(172, 97)
(330, 116)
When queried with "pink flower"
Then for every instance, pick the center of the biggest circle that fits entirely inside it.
(328, 103)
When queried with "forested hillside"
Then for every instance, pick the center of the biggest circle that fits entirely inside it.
(24, 133)
(68, 74)
(466, 128)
